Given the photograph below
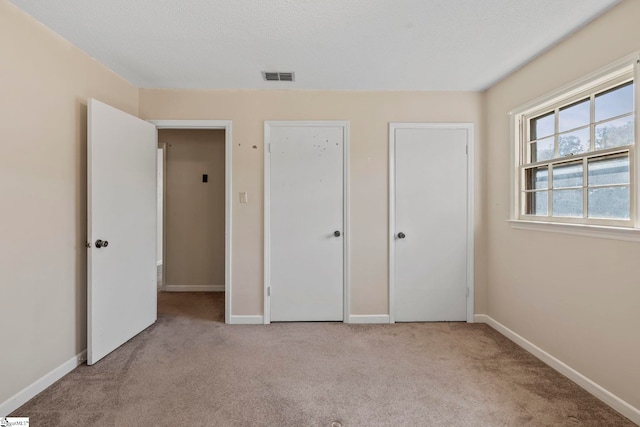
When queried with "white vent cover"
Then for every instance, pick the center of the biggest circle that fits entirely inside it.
(279, 76)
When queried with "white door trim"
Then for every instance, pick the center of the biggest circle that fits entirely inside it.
(267, 217)
(164, 212)
(228, 148)
(469, 127)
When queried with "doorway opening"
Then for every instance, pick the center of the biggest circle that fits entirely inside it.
(194, 210)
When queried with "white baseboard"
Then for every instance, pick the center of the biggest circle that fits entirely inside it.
(368, 318)
(247, 320)
(595, 389)
(481, 318)
(187, 288)
(28, 393)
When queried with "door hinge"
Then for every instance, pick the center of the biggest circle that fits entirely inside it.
(87, 244)
(268, 291)
(269, 148)
(466, 149)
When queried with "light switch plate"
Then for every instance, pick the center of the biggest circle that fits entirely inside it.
(243, 197)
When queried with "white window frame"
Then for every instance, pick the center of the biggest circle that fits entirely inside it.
(612, 75)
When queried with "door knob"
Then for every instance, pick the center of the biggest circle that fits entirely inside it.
(336, 233)
(102, 244)
(401, 235)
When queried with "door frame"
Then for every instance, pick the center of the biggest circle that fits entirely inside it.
(225, 125)
(163, 146)
(469, 127)
(344, 124)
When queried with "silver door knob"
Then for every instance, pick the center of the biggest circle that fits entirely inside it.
(401, 235)
(102, 243)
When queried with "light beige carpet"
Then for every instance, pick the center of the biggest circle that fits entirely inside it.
(190, 369)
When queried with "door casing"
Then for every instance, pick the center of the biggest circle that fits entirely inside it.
(225, 125)
(469, 127)
(163, 146)
(267, 205)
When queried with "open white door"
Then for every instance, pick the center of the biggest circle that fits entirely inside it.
(121, 219)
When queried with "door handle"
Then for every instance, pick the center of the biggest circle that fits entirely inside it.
(401, 235)
(102, 243)
(336, 233)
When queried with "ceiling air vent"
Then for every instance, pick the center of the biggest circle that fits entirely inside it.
(277, 76)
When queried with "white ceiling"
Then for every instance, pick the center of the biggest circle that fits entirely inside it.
(457, 45)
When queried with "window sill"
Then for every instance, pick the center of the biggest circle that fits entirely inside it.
(597, 231)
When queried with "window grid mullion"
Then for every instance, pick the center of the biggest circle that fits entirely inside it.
(556, 154)
(585, 189)
(556, 135)
(634, 183)
(633, 190)
(592, 130)
(550, 194)
(585, 160)
(599, 153)
(608, 185)
(524, 137)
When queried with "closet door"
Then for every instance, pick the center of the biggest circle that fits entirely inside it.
(429, 239)
(305, 226)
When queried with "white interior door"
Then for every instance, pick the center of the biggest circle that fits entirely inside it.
(306, 221)
(121, 204)
(430, 230)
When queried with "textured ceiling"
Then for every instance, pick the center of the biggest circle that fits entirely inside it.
(456, 45)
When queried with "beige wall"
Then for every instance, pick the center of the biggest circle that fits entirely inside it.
(195, 210)
(44, 86)
(369, 114)
(577, 298)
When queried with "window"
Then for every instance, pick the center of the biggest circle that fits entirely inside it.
(575, 153)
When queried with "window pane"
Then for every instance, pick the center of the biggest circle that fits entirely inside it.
(614, 133)
(537, 203)
(567, 203)
(542, 126)
(542, 150)
(537, 178)
(609, 202)
(568, 175)
(609, 170)
(614, 102)
(575, 142)
(574, 116)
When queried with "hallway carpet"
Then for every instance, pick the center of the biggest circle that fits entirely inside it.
(190, 369)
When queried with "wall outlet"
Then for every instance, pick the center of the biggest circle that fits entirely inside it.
(243, 197)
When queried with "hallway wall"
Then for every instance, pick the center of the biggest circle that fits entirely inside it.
(195, 226)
